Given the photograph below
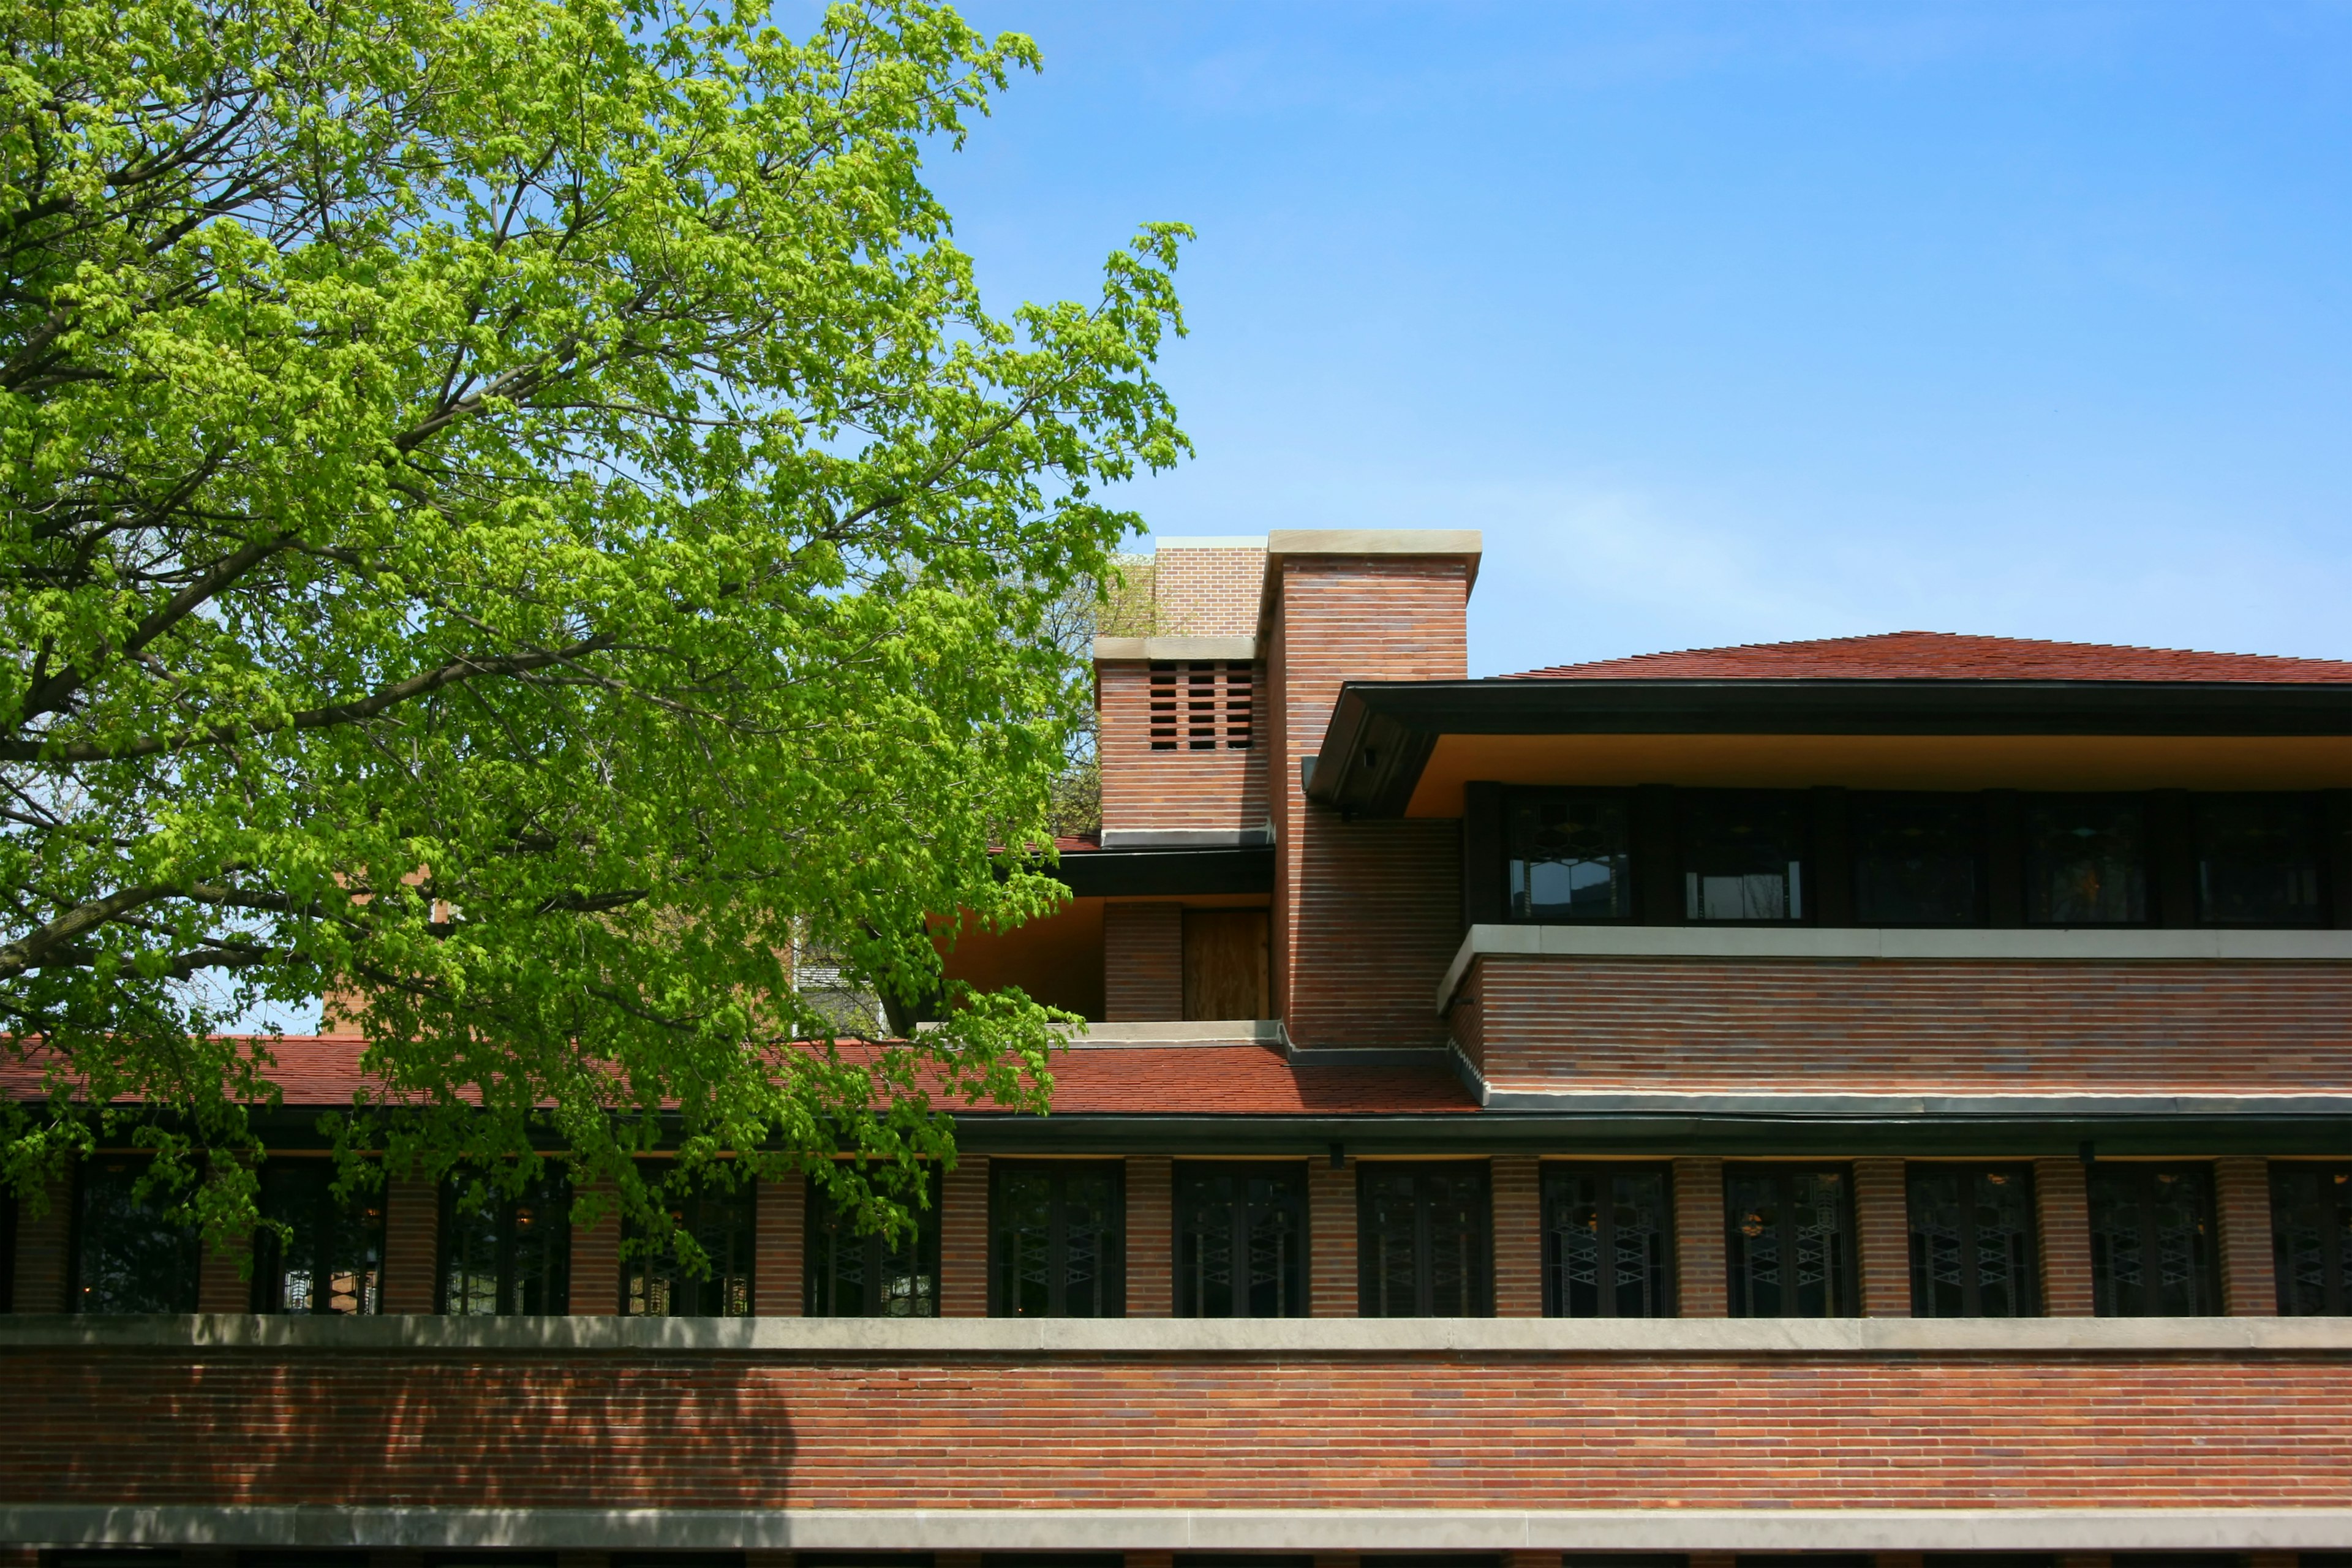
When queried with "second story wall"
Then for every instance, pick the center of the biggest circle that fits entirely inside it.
(1366, 914)
(1181, 738)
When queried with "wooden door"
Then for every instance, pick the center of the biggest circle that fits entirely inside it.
(1228, 964)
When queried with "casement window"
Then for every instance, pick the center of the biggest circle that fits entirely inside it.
(2086, 859)
(1972, 1241)
(1241, 1239)
(2311, 1237)
(1743, 854)
(1203, 706)
(127, 1256)
(2152, 1231)
(1789, 1241)
(853, 1272)
(329, 1258)
(1058, 1243)
(1423, 1240)
(1608, 1241)
(511, 1255)
(2258, 860)
(660, 1285)
(1917, 859)
(1570, 855)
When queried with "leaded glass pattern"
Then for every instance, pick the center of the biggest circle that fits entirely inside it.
(1791, 1234)
(1569, 856)
(1423, 1240)
(329, 1260)
(1916, 859)
(1972, 1241)
(2311, 1233)
(660, 1285)
(1608, 1241)
(2152, 1241)
(1241, 1240)
(2085, 859)
(1743, 854)
(854, 1270)
(1058, 1245)
(129, 1257)
(509, 1255)
(2259, 860)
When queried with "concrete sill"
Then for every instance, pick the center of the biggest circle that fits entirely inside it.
(1294, 1337)
(2036, 945)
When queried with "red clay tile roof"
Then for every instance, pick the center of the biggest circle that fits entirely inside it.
(1241, 1081)
(323, 1070)
(1947, 655)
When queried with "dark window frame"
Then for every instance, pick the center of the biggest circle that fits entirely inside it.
(553, 1192)
(1112, 1267)
(640, 1271)
(821, 1261)
(1860, 804)
(268, 1257)
(1660, 1285)
(2314, 807)
(1845, 1299)
(190, 1241)
(2026, 1270)
(1371, 1278)
(1690, 803)
(2333, 1237)
(2144, 1175)
(1293, 1275)
(1513, 797)
(2035, 875)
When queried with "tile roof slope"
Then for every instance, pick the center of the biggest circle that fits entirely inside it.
(1948, 656)
(323, 1070)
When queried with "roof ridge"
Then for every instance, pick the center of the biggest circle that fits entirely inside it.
(1924, 644)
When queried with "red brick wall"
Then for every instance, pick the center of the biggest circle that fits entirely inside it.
(1700, 1286)
(963, 1239)
(1183, 788)
(412, 1235)
(44, 1266)
(1883, 1227)
(2241, 1202)
(1901, 1026)
(1331, 1239)
(1519, 1237)
(1150, 1236)
(2062, 1223)
(1366, 914)
(1207, 592)
(1143, 961)
(366, 1429)
(596, 1265)
(779, 1220)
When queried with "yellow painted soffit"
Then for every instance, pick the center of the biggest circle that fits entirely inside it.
(1885, 761)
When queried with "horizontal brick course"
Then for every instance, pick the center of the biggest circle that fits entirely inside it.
(1140, 1432)
(1792, 1025)
(1142, 788)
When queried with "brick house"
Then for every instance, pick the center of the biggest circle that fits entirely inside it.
(1884, 1100)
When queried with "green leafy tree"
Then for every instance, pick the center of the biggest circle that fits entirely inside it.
(515, 517)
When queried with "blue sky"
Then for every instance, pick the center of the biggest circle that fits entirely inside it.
(1735, 321)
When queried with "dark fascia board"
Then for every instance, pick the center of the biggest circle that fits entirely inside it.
(1382, 732)
(1163, 873)
(1659, 1135)
(1656, 1136)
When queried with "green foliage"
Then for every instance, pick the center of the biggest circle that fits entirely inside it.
(512, 514)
